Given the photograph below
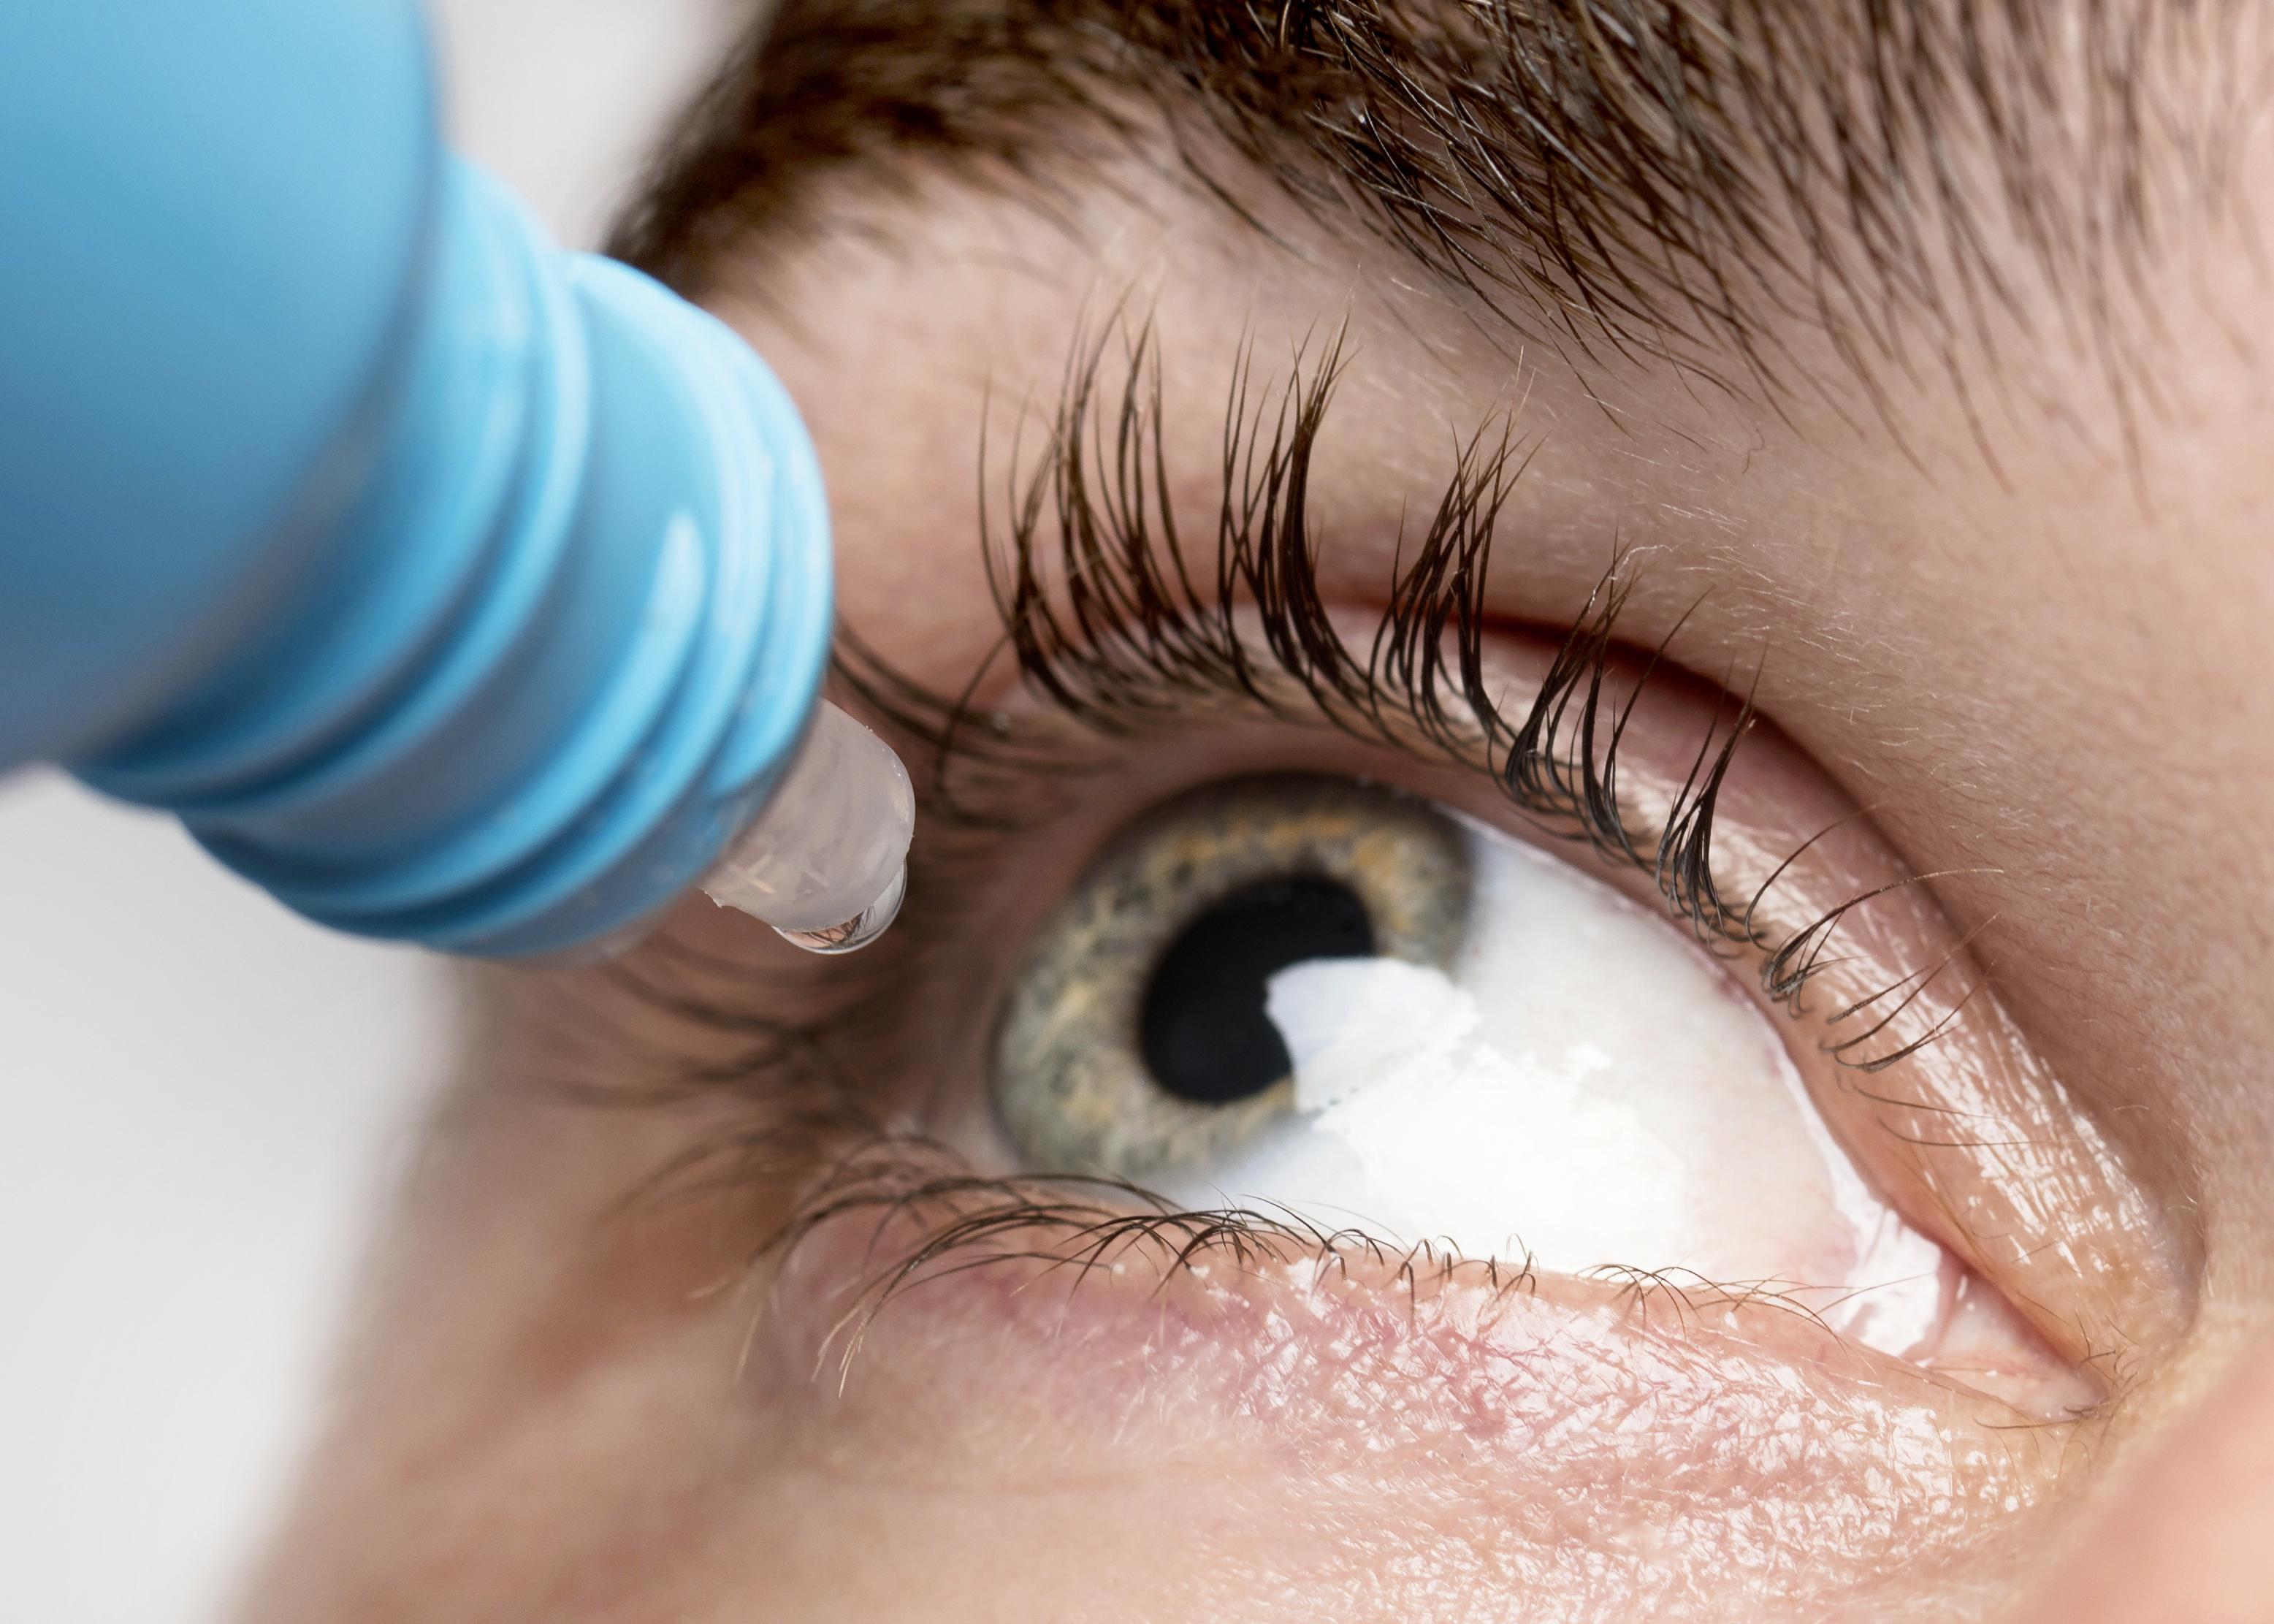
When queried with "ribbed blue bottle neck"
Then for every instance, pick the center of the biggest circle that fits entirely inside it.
(557, 648)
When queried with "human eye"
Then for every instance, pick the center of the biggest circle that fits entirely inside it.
(1370, 1015)
(1433, 1010)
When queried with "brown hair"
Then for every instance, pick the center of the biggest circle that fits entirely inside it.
(1663, 177)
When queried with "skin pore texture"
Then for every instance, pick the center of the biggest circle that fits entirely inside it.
(640, 1345)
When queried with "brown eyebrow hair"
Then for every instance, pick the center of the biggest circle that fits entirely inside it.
(1684, 181)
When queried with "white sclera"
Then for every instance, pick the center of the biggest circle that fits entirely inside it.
(1585, 1085)
(830, 849)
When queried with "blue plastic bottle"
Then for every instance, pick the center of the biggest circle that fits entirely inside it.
(453, 588)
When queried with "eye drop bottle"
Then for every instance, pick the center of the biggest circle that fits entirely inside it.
(453, 588)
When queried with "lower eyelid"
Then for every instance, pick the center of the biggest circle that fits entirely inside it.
(1085, 1341)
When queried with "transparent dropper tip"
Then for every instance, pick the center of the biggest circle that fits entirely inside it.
(826, 863)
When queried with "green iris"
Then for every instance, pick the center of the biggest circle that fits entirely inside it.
(1134, 1038)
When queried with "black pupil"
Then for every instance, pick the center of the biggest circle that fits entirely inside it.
(1203, 1029)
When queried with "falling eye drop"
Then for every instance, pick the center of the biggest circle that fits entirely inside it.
(451, 587)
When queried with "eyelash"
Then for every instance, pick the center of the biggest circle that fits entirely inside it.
(1130, 644)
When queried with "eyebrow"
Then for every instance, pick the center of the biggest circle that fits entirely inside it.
(1700, 183)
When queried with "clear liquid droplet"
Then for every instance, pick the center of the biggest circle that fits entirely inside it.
(857, 932)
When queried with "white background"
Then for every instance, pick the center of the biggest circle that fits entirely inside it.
(204, 1099)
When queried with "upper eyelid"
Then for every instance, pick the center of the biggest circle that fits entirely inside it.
(1108, 619)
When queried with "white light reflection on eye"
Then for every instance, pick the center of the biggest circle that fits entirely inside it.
(1586, 1084)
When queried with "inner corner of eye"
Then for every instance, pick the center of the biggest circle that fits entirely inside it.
(1338, 999)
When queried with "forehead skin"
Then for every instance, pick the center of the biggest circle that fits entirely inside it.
(2004, 576)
